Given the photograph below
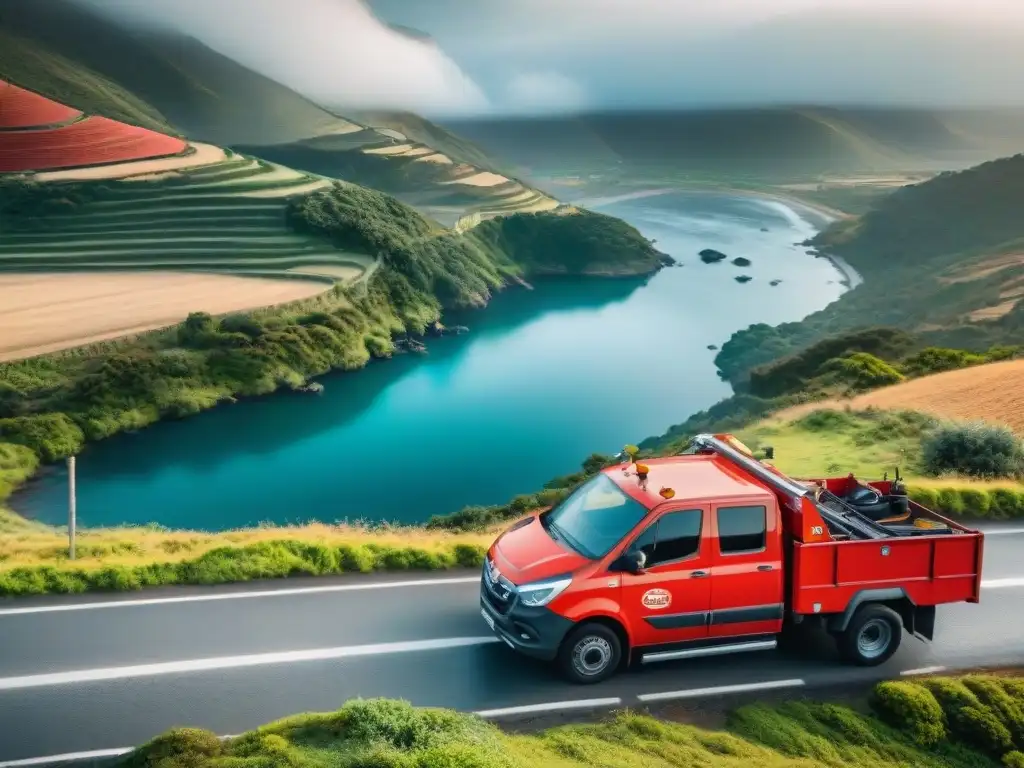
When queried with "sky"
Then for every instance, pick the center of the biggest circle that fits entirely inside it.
(499, 57)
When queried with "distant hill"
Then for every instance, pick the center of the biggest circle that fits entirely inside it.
(944, 259)
(771, 145)
(201, 93)
(179, 85)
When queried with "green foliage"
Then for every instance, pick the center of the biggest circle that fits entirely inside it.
(582, 242)
(975, 449)
(17, 464)
(52, 436)
(939, 359)
(859, 371)
(229, 564)
(969, 720)
(791, 374)
(912, 708)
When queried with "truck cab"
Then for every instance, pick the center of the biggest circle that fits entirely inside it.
(716, 552)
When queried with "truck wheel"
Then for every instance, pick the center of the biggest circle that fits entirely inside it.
(591, 653)
(873, 636)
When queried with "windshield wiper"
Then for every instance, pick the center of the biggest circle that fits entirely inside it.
(573, 544)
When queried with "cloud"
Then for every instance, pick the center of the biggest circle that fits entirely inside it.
(544, 92)
(336, 52)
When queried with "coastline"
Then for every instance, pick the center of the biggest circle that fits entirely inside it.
(798, 208)
(818, 215)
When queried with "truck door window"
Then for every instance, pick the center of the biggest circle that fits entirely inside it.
(741, 530)
(676, 536)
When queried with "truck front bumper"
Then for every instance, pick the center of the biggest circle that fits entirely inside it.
(532, 631)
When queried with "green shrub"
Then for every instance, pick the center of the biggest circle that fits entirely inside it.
(52, 436)
(859, 371)
(975, 449)
(1007, 708)
(1013, 759)
(178, 748)
(938, 359)
(969, 720)
(913, 708)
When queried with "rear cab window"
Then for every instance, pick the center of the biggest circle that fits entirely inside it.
(742, 530)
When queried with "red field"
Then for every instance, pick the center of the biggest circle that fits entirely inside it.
(91, 141)
(23, 109)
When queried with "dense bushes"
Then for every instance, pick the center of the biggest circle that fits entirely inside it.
(985, 713)
(975, 449)
(792, 373)
(963, 730)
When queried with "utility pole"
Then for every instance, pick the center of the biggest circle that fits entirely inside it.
(72, 522)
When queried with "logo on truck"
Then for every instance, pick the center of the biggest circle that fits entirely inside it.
(656, 598)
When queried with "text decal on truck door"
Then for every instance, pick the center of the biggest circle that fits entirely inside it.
(656, 598)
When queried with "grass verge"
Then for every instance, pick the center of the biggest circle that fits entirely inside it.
(34, 561)
(969, 722)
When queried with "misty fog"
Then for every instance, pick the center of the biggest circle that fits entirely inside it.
(544, 56)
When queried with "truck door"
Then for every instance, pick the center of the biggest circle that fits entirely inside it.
(747, 592)
(669, 602)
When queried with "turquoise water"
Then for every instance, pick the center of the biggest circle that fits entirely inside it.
(543, 379)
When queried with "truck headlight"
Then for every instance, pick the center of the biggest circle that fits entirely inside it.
(543, 592)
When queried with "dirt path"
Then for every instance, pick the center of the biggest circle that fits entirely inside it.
(993, 392)
(44, 313)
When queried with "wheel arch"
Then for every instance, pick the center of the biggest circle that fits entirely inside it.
(917, 619)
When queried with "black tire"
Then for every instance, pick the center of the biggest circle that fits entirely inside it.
(589, 654)
(873, 636)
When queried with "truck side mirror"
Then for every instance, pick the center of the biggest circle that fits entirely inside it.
(633, 562)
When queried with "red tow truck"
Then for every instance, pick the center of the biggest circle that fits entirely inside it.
(715, 552)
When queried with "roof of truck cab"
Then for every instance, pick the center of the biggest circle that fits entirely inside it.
(699, 478)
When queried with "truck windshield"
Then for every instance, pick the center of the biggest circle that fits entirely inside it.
(594, 518)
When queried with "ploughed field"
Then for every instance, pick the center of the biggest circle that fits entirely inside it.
(102, 196)
(992, 392)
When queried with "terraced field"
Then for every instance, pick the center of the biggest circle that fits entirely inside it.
(226, 216)
(446, 190)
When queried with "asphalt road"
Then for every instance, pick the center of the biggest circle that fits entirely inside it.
(100, 673)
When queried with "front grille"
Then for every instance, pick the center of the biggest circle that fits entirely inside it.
(499, 591)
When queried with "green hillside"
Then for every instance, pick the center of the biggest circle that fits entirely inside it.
(758, 145)
(944, 259)
(203, 94)
(36, 67)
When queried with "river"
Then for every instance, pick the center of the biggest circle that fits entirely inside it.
(543, 379)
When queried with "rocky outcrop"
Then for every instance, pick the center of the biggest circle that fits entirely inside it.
(711, 256)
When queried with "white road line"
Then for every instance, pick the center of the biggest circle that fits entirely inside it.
(239, 595)
(69, 757)
(1008, 583)
(922, 671)
(553, 706)
(721, 690)
(234, 662)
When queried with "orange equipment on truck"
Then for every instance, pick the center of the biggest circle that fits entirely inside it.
(715, 552)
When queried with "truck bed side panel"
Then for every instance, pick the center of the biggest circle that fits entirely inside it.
(930, 570)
